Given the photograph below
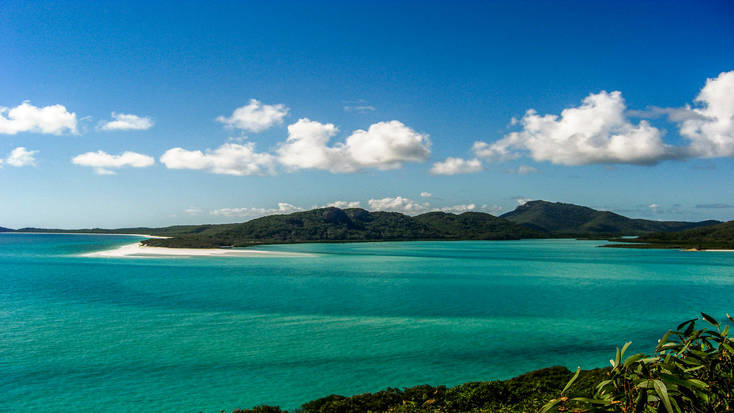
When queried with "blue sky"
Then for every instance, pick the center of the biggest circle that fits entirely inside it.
(376, 103)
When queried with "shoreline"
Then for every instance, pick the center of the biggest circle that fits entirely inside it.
(87, 233)
(137, 250)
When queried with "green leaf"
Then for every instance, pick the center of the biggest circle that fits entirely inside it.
(693, 320)
(592, 401)
(710, 320)
(698, 383)
(602, 384)
(633, 358)
(570, 382)
(662, 391)
(690, 328)
(551, 404)
(624, 348)
(665, 338)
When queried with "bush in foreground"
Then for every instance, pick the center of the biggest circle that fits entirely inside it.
(692, 370)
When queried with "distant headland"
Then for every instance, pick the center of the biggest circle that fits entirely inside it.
(534, 219)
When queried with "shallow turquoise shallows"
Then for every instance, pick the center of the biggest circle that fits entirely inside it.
(211, 334)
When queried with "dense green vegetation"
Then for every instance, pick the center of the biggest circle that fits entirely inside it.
(719, 236)
(354, 224)
(525, 393)
(559, 219)
(692, 370)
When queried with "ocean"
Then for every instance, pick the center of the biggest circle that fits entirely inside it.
(219, 333)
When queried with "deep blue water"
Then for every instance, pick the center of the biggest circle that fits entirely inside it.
(206, 334)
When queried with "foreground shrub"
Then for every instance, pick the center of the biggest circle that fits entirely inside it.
(692, 370)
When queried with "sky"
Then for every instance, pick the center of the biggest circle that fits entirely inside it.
(116, 114)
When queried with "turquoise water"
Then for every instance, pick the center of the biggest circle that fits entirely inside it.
(206, 334)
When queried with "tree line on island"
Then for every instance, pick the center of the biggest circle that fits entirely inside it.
(534, 219)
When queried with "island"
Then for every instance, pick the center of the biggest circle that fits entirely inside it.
(532, 220)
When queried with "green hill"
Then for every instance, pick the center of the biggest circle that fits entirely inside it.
(3, 229)
(560, 219)
(354, 224)
(719, 236)
(535, 219)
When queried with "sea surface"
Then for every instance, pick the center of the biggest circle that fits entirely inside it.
(218, 333)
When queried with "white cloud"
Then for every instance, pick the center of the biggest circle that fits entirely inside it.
(526, 169)
(54, 119)
(344, 204)
(283, 208)
(398, 204)
(358, 105)
(255, 117)
(123, 121)
(426, 195)
(385, 145)
(454, 166)
(21, 156)
(492, 209)
(228, 159)
(711, 126)
(523, 201)
(359, 108)
(597, 131)
(103, 162)
(458, 209)
(193, 211)
(306, 147)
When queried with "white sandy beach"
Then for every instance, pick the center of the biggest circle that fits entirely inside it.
(138, 250)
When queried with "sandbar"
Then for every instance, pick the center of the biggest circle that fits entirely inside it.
(139, 250)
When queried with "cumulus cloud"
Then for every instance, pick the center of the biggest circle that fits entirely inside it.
(398, 204)
(526, 169)
(307, 147)
(21, 156)
(283, 208)
(54, 119)
(426, 195)
(710, 127)
(124, 121)
(458, 209)
(597, 131)
(384, 145)
(229, 159)
(344, 204)
(522, 200)
(255, 117)
(193, 211)
(454, 166)
(104, 163)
